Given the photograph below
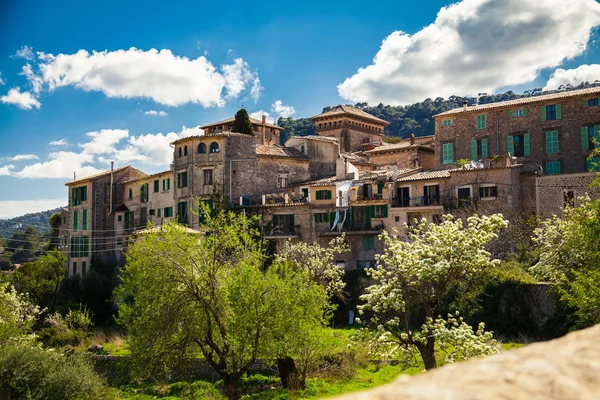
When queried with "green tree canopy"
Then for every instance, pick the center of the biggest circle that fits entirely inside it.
(241, 123)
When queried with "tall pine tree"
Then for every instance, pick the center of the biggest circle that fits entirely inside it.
(241, 123)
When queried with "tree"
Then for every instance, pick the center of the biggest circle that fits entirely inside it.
(17, 315)
(242, 124)
(208, 294)
(55, 221)
(413, 277)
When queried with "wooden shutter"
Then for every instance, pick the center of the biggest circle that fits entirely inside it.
(75, 218)
(179, 180)
(510, 113)
(543, 112)
(484, 149)
(473, 149)
(558, 112)
(510, 145)
(524, 111)
(73, 196)
(585, 142)
(526, 145)
(84, 220)
(585, 103)
(385, 210)
(326, 217)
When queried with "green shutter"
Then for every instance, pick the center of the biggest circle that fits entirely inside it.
(510, 113)
(185, 182)
(75, 218)
(156, 186)
(84, 220)
(596, 136)
(585, 103)
(385, 211)
(448, 157)
(524, 112)
(543, 110)
(585, 142)
(526, 145)
(473, 149)
(510, 145)
(484, 149)
(316, 217)
(73, 197)
(558, 112)
(480, 192)
(552, 142)
(326, 217)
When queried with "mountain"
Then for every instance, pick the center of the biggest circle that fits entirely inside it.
(417, 118)
(38, 220)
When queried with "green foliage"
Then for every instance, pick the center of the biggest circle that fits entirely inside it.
(30, 372)
(242, 124)
(68, 331)
(25, 245)
(40, 220)
(17, 315)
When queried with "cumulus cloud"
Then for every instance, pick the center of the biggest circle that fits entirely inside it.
(6, 170)
(256, 90)
(14, 208)
(103, 141)
(62, 164)
(24, 100)
(259, 114)
(156, 113)
(165, 78)
(61, 142)
(282, 110)
(2, 81)
(475, 46)
(20, 157)
(583, 73)
(25, 52)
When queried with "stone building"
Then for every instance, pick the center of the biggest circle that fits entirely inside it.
(354, 128)
(553, 132)
(265, 133)
(553, 193)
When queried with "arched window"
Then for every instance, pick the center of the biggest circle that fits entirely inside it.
(201, 148)
(214, 147)
(180, 152)
(185, 150)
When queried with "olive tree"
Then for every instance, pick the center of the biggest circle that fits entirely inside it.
(413, 276)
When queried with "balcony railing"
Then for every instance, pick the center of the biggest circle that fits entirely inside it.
(362, 226)
(420, 201)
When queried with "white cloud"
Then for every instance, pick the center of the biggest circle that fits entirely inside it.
(103, 141)
(157, 113)
(158, 75)
(256, 90)
(6, 170)
(34, 80)
(475, 46)
(24, 100)
(282, 110)
(62, 164)
(25, 52)
(2, 81)
(20, 157)
(583, 73)
(259, 114)
(15, 208)
(61, 142)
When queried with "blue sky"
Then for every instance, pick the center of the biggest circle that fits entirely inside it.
(126, 102)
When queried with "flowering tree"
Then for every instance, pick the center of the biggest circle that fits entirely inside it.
(17, 315)
(412, 277)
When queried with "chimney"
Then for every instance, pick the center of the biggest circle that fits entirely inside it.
(112, 167)
(412, 139)
(464, 105)
(264, 119)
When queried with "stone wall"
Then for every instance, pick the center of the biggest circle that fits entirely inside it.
(552, 191)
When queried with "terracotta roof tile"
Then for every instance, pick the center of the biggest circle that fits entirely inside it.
(342, 109)
(521, 101)
(422, 176)
(327, 181)
(279, 151)
(209, 135)
(100, 175)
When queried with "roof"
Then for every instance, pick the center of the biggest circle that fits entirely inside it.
(252, 120)
(341, 110)
(102, 174)
(315, 137)
(422, 176)
(389, 174)
(149, 176)
(121, 208)
(522, 101)
(356, 158)
(327, 181)
(278, 151)
(209, 135)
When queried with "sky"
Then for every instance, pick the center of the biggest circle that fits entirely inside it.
(86, 83)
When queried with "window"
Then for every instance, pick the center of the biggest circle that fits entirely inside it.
(283, 224)
(551, 142)
(590, 137)
(156, 186)
(182, 216)
(182, 179)
(214, 147)
(185, 150)
(168, 212)
(282, 181)
(479, 149)
(152, 212)
(446, 123)
(302, 149)
(119, 218)
(74, 269)
(568, 199)
(368, 242)
(75, 218)
(397, 219)
(78, 195)
(83, 266)
(448, 155)
(488, 192)
(166, 184)
(180, 152)
(590, 103)
(431, 195)
(364, 264)
(481, 123)
(517, 113)
(321, 217)
(403, 197)
(208, 176)
(130, 194)
(518, 145)
(593, 164)
(144, 216)
(464, 196)
(84, 220)
(158, 213)
(553, 167)
(129, 220)
(144, 193)
(551, 112)
(381, 211)
(202, 148)
(323, 195)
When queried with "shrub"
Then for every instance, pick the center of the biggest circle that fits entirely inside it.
(34, 373)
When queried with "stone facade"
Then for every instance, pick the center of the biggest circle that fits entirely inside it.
(555, 192)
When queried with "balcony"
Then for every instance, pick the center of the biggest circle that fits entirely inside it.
(420, 201)
(366, 226)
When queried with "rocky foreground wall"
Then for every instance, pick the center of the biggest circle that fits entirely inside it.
(565, 368)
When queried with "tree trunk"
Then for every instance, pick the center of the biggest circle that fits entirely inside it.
(288, 373)
(229, 388)
(427, 352)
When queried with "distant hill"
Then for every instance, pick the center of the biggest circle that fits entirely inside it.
(37, 220)
(417, 118)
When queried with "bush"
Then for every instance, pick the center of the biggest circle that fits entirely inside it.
(70, 331)
(34, 373)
